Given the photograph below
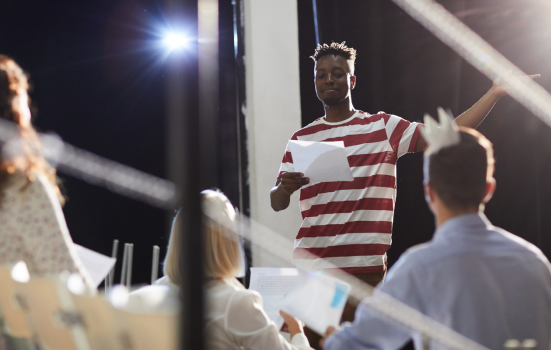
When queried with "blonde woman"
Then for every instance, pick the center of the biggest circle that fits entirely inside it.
(32, 225)
(235, 318)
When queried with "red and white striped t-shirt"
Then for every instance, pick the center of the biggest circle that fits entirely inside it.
(349, 223)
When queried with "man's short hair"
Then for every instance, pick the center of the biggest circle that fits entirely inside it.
(336, 49)
(459, 174)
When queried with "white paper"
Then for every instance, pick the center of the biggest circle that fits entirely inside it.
(319, 302)
(321, 161)
(274, 284)
(97, 265)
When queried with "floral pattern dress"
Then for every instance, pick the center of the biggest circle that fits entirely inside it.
(33, 229)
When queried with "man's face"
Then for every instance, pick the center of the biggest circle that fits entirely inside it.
(333, 80)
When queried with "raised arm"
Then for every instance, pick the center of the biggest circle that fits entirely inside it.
(473, 116)
(285, 186)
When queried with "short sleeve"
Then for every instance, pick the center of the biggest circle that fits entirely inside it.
(251, 327)
(401, 134)
(287, 161)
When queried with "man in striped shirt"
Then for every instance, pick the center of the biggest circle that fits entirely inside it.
(349, 224)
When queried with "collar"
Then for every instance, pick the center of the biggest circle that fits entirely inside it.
(475, 222)
(357, 113)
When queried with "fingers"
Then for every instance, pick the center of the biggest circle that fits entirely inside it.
(293, 178)
(284, 315)
(329, 330)
(292, 175)
(534, 76)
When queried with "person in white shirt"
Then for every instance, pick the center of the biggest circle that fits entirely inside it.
(32, 224)
(234, 317)
(477, 279)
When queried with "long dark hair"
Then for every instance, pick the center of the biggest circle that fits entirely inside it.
(14, 83)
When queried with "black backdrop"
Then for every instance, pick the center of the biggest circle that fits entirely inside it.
(99, 80)
(403, 69)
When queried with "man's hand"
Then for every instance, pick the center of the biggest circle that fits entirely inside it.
(290, 182)
(500, 91)
(280, 195)
(295, 326)
(328, 332)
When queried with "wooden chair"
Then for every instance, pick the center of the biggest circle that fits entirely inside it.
(98, 322)
(15, 320)
(52, 314)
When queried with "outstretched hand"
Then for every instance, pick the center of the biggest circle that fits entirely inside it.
(501, 91)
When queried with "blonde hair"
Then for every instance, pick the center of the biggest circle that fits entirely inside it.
(221, 248)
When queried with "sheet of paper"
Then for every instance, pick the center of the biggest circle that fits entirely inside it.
(274, 284)
(97, 265)
(318, 302)
(321, 161)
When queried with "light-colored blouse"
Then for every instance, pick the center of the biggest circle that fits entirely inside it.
(235, 319)
(33, 229)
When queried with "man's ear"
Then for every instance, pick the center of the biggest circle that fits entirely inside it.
(490, 189)
(352, 82)
(429, 193)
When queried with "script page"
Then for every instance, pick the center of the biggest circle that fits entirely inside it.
(274, 284)
(321, 161)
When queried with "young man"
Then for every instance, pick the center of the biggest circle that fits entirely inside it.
(350, 223)
(474, 278)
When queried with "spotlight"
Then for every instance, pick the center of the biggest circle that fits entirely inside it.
(175, 41)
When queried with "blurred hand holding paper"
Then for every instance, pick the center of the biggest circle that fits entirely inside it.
(321, 161)
(318, 303)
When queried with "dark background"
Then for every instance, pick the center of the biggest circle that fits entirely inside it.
(99, 82)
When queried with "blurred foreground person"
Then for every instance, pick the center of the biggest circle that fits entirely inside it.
(477, 279)
(234, 318)
(32, 225)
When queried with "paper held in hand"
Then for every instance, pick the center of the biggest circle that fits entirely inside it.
(321, 161)
(274, 285)
(97, 265)
(318, 303)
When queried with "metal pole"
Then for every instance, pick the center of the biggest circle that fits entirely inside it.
(184, 167)
(155, 264)
(124, 261)
(114, 254)
(129, 266)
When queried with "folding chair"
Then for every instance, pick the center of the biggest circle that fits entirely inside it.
(98, 321)
(15, 319)
(147, 331)
(52, 315)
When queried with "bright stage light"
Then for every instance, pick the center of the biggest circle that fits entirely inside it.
(175, 41)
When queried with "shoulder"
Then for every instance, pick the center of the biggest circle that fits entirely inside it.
(412, 259)
(522, 246)
(308, 128)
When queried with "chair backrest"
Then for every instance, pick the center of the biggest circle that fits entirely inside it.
(15, 319)
(147, 331)
(98, 321)
(56, 324)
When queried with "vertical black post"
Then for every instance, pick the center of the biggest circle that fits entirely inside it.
(184, 166)
(241, 106)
